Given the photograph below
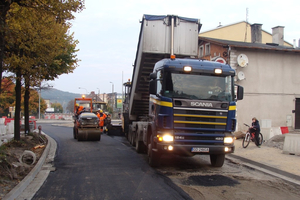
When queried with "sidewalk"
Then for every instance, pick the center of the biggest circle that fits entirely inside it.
(269, 158)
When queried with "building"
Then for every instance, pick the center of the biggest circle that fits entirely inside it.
(240, 32)
(269, 73)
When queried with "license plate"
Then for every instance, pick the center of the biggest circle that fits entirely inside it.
(198, 149)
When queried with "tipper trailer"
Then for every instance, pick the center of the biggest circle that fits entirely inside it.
(178, 104)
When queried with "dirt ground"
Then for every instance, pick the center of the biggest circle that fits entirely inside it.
(13, 166)
(232, 181)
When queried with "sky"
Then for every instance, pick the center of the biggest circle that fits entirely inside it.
(108, 32)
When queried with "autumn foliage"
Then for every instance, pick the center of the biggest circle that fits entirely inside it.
(7, 100)
(35, 46)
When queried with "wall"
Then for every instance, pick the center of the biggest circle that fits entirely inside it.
(271, 86)
(234, 32)
(237, 32)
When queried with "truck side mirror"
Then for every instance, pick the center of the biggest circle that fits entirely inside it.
(240, 92)
(152, 83)
(152, 86)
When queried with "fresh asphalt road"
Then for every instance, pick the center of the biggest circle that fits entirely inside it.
(106, 169)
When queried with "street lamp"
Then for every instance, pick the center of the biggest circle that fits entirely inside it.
(39, 91)
(112, 87)
(84, 89)
(40, 101)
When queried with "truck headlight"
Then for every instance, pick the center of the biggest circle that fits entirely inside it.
(168, 138)
(165, 138)
(228, 140)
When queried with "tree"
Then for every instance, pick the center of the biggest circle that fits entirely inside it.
(61, 10)
(38, 45)
(7, 97)
(33, 103)
(70, 106)
(57, 107)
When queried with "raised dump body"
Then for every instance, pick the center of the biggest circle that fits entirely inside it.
(155, 43)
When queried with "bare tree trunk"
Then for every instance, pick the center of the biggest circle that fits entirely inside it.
(26, 105)
(18, 105)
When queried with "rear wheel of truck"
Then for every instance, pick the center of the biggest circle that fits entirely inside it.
(139, 146)
(153, 156)
(217, 160)
(131, 136)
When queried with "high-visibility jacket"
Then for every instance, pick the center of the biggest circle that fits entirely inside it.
(79, 109)
(102, 117)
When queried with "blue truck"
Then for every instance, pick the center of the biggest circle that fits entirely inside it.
(176, 103)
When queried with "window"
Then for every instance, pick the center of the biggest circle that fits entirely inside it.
(159, 82)
(207, 49)
(201, 53)
(198, 87)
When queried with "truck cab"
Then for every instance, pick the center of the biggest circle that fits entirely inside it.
(192, 109)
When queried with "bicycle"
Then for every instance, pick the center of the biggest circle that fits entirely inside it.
(250, 136)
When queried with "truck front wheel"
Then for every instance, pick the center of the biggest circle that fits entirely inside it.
(217, 160)
(153, 156)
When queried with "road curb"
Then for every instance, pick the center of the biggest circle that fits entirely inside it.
(17, 190)
(293, 178)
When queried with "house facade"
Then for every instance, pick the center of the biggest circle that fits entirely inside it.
(269, 73)
(240, 32)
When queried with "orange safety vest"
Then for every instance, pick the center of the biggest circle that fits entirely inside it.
(101, 117)
(79, 109)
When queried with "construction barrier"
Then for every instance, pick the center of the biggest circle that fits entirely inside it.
(59, 116)
(291, 144)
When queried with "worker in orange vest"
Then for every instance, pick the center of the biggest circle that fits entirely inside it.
(78, 110)
(102, 116)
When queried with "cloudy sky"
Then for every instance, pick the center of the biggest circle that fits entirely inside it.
(108, 31)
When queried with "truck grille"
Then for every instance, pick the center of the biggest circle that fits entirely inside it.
(185, 118)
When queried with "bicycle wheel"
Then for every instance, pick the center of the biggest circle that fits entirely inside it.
(246, 140)
(260, 139)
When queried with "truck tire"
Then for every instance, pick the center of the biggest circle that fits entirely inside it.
(153, 156)
(139, 146)
(130, 135)
(217, 160)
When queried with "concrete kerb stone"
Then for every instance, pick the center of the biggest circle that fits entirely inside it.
(264, 168)
(17, 191)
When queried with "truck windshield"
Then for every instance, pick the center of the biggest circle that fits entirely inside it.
(202, 87)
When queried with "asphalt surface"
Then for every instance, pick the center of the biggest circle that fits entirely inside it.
(106, 169)
(111, 169)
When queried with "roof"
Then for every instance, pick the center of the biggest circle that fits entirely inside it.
(224, 26)
(248, 45)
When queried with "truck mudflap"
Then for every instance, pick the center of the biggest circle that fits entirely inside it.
(191, 150)
(89, 134)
